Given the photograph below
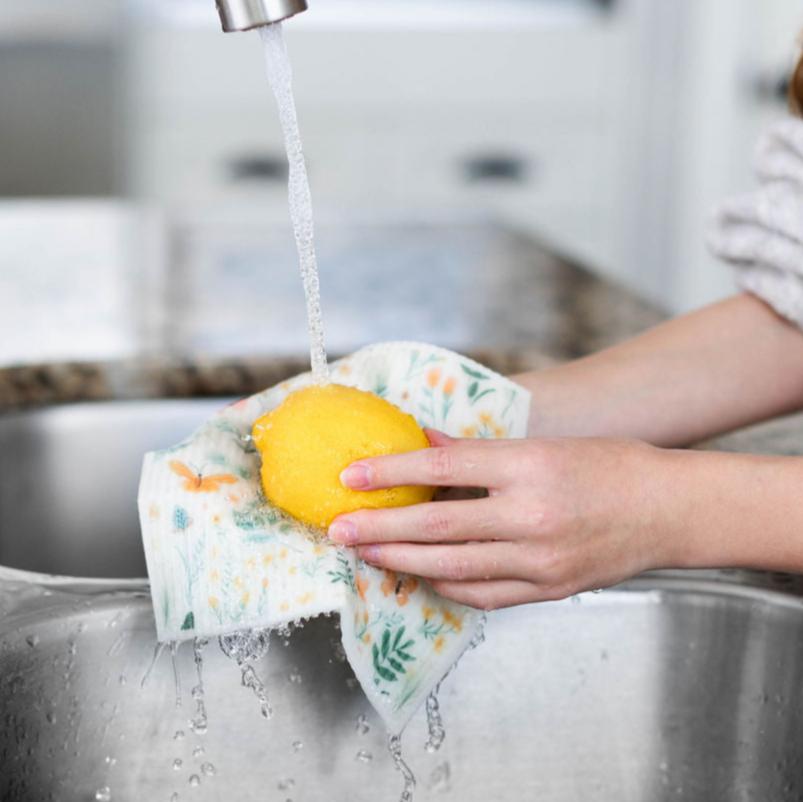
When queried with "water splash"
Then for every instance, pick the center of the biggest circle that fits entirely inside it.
(103, 794)
(157, 653)
(281, 80)
(244, 647)
(199, 724)
(395, 749)
(363, 756)
(361, 724)
(176, 676)
(435, 728)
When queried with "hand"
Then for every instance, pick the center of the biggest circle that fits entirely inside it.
(562, 516)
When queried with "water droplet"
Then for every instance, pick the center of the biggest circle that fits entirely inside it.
(352, 683)
(286, 784)
(179, 735)
(208, 769)
(194, 780)
(440, 779)
(122, 679)
(32, 641)
(295, 677)
(364, 756)
(109, 760)
(198, 751)
(174, 797)
(298, 746)
(177, 764)
(51, 718)
(103, 794)
(363, 727)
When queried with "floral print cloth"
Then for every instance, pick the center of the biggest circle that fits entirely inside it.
(221, 559)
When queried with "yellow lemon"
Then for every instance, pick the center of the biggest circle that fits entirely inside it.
(307, 441)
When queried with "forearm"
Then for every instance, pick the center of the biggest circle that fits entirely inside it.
(715, 510)
(702, 374)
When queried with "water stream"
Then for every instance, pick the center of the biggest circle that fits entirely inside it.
(280, 76)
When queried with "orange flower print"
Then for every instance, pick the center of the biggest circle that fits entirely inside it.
(499, 432)
(362, 586)
(214, 602)
(427, 612)
(198, 483)
(469, 431)
(433, 377)
(452, 620)
(486, 418)
(438, 644)
(449, 385)
(401, 588)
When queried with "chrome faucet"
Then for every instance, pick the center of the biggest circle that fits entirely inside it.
(243, 15)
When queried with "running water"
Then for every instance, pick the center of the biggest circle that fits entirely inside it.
(435, 729)
(395, 749)
(244, 647)
(200, 723)
(281, 80)
(176, 676)
(157, 653)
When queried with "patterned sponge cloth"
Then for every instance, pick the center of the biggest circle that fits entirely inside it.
(222, 560)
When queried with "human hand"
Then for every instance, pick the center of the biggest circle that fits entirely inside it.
(562, 516)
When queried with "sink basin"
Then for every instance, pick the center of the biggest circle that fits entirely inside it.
(675, 685)
(667, 688)
(68, 495)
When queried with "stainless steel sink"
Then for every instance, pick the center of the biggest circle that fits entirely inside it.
(672, 686)
(68, 482)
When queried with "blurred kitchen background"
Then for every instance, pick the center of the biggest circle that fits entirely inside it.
(142, 181)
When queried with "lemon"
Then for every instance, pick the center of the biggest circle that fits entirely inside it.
(307, 441)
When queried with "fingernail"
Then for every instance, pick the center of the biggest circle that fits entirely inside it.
(344, 532)
(369, 553)
(357, 477)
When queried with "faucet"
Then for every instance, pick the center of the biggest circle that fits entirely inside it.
(243, 15)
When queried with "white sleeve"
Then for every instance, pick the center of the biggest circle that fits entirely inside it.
(761, 234)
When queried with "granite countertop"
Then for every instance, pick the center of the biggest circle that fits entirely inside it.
(219, 310)
(213, 305)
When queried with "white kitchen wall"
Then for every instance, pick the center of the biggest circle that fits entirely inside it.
(613, 133)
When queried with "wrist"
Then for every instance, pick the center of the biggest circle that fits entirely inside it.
(720, 510)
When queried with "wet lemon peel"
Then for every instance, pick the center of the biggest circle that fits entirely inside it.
(314, 434)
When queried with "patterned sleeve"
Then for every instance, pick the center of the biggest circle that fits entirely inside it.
(761, 234)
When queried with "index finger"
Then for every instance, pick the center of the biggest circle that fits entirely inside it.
(471, 463)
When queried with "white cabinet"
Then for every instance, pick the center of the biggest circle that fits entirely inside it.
(415, 116)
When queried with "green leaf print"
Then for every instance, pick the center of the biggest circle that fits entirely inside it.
(391, 654)
(189, 622)
(343, 573)
(475, 374)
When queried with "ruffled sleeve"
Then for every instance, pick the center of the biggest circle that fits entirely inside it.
(761, 234)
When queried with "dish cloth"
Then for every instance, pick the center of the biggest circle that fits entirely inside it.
(761, 234)
(221, 559)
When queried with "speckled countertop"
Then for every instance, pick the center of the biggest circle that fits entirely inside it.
(224, 315)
